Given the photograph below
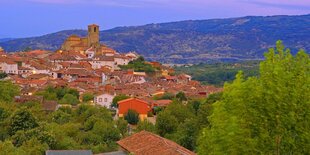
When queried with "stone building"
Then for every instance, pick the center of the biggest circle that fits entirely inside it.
(82, 44)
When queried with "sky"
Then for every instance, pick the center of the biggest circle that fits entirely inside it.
(27, 18)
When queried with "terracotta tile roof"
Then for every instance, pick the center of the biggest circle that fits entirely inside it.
(65, 64)
(38, 76)
(162, 103)
(23, 68)
(104, 58)
(38, 82)
(72, 65)
(170, 77)
(6, 60)
(146, 143)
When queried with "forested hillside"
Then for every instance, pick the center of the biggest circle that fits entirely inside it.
(218, 73)
(192, 41)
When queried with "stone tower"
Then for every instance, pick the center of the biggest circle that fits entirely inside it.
(93, 36)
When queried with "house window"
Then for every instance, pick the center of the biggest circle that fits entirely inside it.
(100, 99)
(95, 29)
(105, 99)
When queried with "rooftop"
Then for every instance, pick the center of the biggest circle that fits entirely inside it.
(148, 143)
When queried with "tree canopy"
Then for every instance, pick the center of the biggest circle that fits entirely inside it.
(132, 117)
(139, 65)
(269, 114)
(7, 91)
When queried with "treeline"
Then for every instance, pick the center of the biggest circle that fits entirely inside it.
(219, 73)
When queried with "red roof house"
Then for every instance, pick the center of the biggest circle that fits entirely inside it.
(140, 106)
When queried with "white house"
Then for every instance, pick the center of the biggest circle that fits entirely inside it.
(104, 100)
(121, 60)
(103, 61)
(9, 67)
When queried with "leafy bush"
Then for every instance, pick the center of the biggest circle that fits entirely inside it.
(69, 99)
(87, 97)
(7, 91)
(139, 65)
(132, 117)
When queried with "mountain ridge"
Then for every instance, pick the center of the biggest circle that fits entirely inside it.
(192, 41)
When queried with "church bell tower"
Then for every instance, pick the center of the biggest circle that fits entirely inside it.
(93, 36)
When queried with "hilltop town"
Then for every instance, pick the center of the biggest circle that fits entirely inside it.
(90, 67)
(87, 98)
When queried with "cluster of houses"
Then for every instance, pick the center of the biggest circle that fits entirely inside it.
(35, 70)
(91, 67)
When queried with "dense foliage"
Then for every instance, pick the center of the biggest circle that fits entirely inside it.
(269, 114)
(132, 117)
(218, 73)
(88, 97)
(139, 65)
(63, 95)
(25, 131)
(7, 91)
(3, 75)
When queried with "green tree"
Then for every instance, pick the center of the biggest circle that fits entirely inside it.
(146, 125)
(34, 147)
(6, 111)
(187, 133)
(61, 117)
(195, 104)
(39, 133)
(107, 131)
(7, 148)
(269, 114)
(166, 123)
(88, 97)
(139, 65)
(167, 96)
(132, 117)
(22, 120)
(84, 112)
(212, 98)
(69, 99)
(3, 75)
(7, 91)
(122, 126)
(181, 96)
(180, 111)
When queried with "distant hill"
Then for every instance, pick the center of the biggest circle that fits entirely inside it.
(192, 41)
(6, 39)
